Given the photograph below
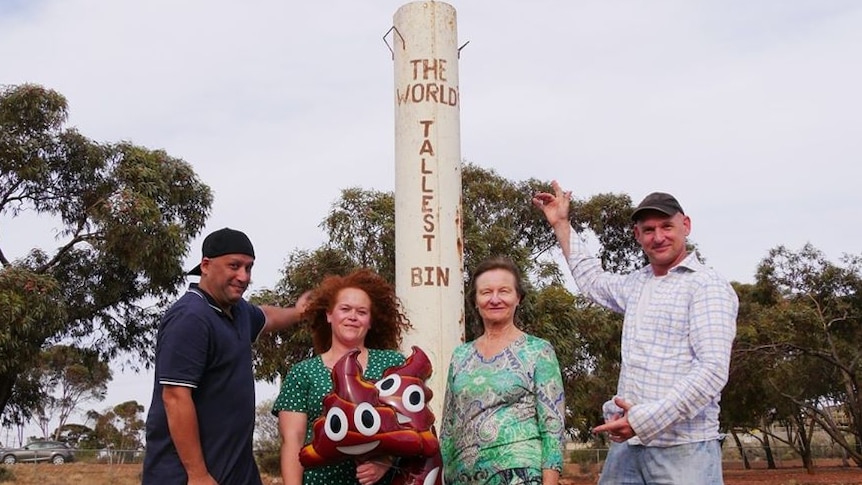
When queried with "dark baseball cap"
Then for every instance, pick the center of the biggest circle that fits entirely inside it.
(657, 201)
(224, 241)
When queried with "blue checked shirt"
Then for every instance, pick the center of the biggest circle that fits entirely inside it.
(675, 350)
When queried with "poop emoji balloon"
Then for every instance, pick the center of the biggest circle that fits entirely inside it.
(363, 419)
(356, 425)
(403, 388)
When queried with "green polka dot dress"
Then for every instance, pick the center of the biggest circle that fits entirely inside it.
(303, 390)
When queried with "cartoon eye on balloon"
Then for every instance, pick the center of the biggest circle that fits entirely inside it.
(367, 419)
(335, 425)
(403, 388)
(412, 397)
(388, 385)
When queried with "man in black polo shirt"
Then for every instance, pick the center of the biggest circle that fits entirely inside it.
(201, 420)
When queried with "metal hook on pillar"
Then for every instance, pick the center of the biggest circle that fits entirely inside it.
(403, 44)
(462, 46)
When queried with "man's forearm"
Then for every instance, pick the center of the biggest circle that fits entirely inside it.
(278, 318)
(185, 433)
(563, 232)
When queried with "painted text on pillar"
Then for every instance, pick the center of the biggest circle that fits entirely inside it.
(428, 275)
(429, 84)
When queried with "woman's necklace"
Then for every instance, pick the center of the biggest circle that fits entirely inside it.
(490, 346)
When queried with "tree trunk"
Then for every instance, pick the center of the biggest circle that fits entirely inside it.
(804, 444)
(745, 464)
(7, 383)
(857, 434)
(767, 448)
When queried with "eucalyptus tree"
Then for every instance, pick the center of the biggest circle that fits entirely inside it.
(808, 339)
(125, 216)
(120, 429)
(69, 376)
(748, 401)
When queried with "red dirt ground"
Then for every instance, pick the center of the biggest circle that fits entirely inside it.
(825, 473)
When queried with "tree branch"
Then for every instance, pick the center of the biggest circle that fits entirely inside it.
(78, 237)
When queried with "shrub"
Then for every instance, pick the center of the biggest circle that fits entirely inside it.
(269, 462)
(6, 475)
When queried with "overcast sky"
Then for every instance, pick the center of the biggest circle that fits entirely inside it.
(747, 110)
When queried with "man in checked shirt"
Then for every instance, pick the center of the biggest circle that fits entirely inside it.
(678, 327)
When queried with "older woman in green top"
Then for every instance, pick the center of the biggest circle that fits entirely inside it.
(504, 406)
(357, 311)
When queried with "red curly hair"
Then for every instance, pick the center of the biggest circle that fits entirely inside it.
(387, 319)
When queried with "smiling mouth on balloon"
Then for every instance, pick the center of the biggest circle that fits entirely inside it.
(358, 449)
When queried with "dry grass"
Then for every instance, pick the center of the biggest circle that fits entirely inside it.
(104, 474)
(74, 473)
(82, 473)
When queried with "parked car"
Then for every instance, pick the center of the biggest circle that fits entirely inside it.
(55, 452)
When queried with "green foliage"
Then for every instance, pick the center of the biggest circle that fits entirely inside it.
(81, 436)
(746, 396)
(797, 357)
(608, 217)
(28, 312)
(586, 339)
(29, 315)
(498, 219)
(23, 401)
(126, 216)
(119, 428)
(362, 224)
(77, 374)
(302, 272)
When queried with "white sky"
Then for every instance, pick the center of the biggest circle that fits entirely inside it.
(748, 111)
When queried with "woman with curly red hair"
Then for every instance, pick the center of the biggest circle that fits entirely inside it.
(356, 311)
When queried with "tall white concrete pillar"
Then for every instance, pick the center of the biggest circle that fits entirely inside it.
(428, 241)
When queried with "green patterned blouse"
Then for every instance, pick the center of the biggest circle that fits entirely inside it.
(502, 413)
(303, 390)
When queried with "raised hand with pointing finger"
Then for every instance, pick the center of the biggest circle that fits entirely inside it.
(678, 327)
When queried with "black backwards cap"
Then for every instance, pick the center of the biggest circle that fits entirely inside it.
(224, 241)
